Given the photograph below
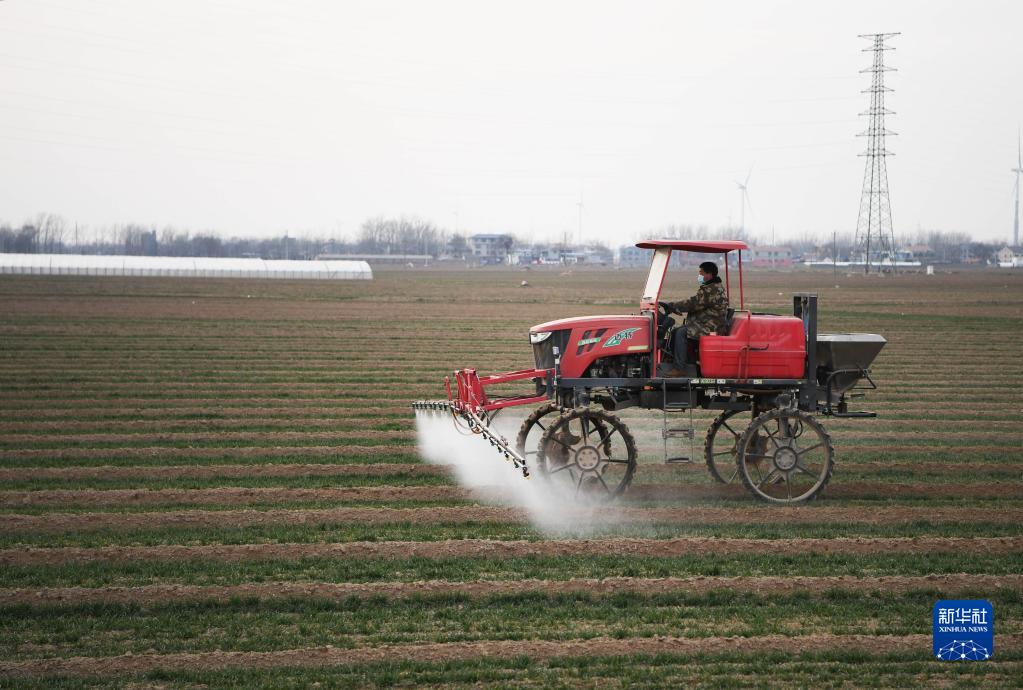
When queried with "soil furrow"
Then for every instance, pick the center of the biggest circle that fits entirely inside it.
(59, 442)
(505, 649)
(63, 428)
(46, 407)
(225, 471)
(173, 436)
(360, 450)
(396, 391)
(489, 494)
(152, 472)
(119, 410)
(236, 495)
(86, 522)
(215, 452)
(489, 548)
(34, 430)
(949, 585)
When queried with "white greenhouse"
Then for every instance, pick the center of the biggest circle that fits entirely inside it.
(180, 266)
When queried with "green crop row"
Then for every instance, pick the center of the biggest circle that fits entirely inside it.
(250, 625)
(766, 667)
(483, 567)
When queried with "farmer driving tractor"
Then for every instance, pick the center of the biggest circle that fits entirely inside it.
(706, 313)
(775, 368)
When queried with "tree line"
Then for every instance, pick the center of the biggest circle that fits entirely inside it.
(48, 233)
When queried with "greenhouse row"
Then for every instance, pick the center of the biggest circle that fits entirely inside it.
(179, 266)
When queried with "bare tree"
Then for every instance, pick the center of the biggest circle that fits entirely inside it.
(133, 239)
(400, 236)
(51, 229)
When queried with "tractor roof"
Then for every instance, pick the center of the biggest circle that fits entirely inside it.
(704, 247)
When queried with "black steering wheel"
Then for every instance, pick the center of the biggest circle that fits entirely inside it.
(664, 321)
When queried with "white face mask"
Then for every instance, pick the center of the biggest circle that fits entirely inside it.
(699, 279)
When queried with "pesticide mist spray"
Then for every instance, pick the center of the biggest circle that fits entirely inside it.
(479, 467)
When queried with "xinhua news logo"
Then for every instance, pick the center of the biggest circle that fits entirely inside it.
(964, 630)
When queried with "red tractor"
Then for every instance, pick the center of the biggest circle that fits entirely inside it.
(778, 368)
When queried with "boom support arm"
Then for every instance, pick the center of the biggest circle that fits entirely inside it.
(471, 396)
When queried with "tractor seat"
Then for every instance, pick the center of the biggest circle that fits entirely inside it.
(729, 314)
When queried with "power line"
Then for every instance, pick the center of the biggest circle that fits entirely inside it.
(1018, 170)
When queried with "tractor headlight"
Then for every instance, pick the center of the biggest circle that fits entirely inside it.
(535, 338)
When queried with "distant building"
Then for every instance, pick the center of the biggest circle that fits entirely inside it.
(593, 257)
(491, 248)
(550, 255)
(535, 255)
(631, 256)
(1009, 257)
(771, 257)
(521, 257)
(920, 251)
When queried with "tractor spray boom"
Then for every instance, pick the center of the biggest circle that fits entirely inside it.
(470, 407)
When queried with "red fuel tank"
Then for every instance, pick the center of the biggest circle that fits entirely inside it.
(758, 346)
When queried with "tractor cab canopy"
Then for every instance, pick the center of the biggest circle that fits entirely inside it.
(662, 255)
(701, 247)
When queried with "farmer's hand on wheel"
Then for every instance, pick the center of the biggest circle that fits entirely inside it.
(664, 307)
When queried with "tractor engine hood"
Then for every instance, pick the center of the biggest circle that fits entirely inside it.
(582, 340)
(621, 321)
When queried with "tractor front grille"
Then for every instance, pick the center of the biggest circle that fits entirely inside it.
(543, 352)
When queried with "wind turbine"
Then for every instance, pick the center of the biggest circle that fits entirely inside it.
(744, 202)
(1018, 170)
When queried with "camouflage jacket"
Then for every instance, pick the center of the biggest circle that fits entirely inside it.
(706, 311)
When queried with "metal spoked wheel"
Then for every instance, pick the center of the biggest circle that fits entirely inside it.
(785, 456)
(588, 454)
(721, 446)
(527, 443)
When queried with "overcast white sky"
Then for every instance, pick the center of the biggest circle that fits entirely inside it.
(253, 117)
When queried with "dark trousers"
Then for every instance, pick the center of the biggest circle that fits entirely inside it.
(684, 348)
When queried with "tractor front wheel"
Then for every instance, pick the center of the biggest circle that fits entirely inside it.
(527, 443)
(590, 454)
(533, 427)
(785, 456)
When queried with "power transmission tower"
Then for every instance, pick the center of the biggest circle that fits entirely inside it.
(874, 234)
(1019, 171)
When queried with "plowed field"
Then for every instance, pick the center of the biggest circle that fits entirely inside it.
(216, 483)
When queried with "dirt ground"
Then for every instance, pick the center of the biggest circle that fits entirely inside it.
(496, 494)
(155, 594)
(979, 546)
(382, 469)
(143, 382)
(85, 522)
(450, 651)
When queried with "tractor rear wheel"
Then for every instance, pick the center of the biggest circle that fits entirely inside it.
(588, 453)
(785, 456)
(720, 447)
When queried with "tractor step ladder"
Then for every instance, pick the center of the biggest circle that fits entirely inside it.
(672, 428)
